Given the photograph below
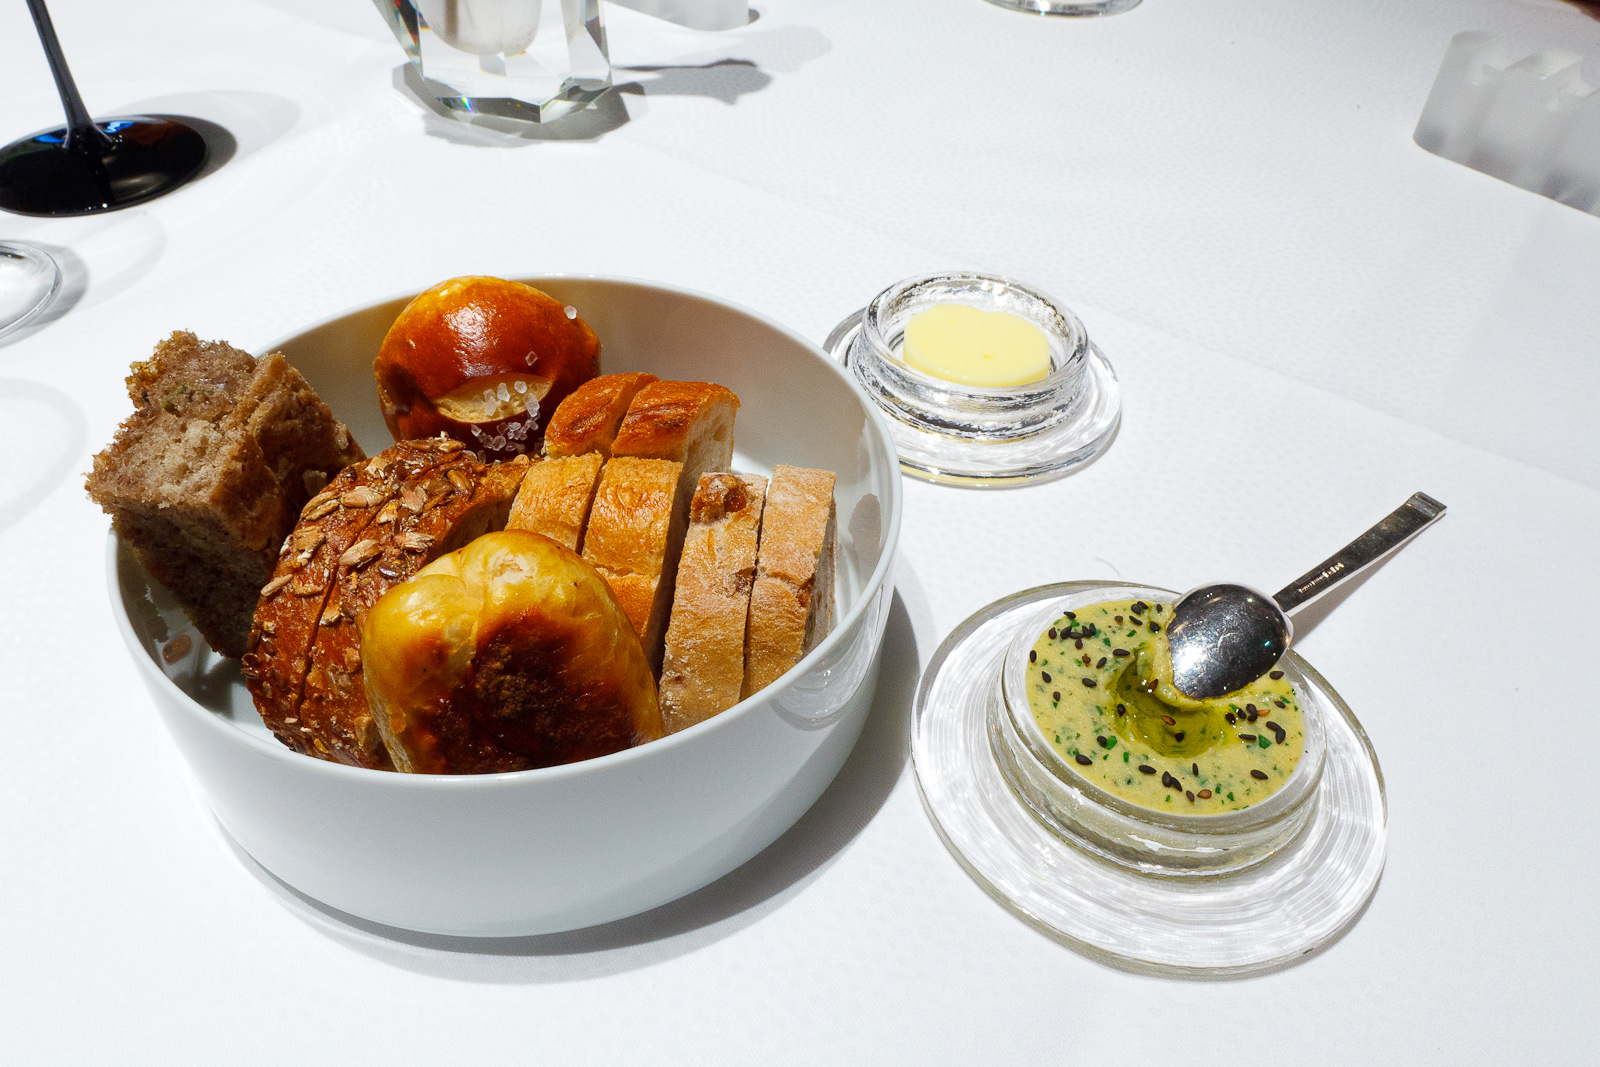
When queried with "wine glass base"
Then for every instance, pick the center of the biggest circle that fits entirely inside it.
(29, 280)
(1068, 7)
(140, 159)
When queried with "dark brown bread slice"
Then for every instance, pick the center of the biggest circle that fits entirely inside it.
(292, 603)
(206, 477)
(437, 512)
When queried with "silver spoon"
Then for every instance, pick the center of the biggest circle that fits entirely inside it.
(1224, 637)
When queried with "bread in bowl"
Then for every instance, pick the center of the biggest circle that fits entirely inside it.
(507, 654)
(485, 361)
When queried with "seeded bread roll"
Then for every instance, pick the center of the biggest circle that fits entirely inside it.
(587, 420)
(555, 497)
(292, 602)
(206, 477)
(702, 671)
(791, 605)
(435, 513)
(628, 539)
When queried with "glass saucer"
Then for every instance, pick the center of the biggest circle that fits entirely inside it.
(974, 436)
(29, 280)
(1260, 918)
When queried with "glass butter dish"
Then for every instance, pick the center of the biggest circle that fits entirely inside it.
(974, 435)
(1141, 886)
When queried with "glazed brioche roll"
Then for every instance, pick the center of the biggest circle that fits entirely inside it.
(512, 644)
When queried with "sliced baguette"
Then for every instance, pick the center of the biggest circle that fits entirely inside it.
(689, 424)
(555, 498)
(702, 671)
(587, 420)
(631, 528)
(791, 604)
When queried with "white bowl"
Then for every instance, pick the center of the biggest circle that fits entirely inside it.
(562, 847)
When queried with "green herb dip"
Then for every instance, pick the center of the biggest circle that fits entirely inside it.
(1100, 688)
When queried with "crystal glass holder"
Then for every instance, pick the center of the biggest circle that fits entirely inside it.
(1154, 842)
(967, 435)
(1049, 851)
(533, 60)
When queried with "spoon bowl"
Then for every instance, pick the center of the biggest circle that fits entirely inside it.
(1225, 636)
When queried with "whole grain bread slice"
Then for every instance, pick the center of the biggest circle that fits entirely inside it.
(555, 498)
(702, 670)
(207, 476)
(791, 605)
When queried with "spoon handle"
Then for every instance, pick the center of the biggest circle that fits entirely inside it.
(1402, 524)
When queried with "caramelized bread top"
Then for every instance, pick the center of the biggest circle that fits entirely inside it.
(587, 420)
(677, 421)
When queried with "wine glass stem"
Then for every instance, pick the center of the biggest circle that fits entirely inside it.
(81, 129)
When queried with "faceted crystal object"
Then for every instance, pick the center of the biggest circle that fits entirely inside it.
(534, 60)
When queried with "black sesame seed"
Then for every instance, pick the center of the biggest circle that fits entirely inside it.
(1249, 707)
(1045, 675)
(1122, 709)
(1139, 606)
(1105, 742)
(1120, 652)
(1229, 716)
(1195, 767)
(1079, 642)
(1052, 633)
(1145, 768)
(1071, 615)
(1189, 795)
(1089, 683)
(1116, 618)
(1101, 663)
(1254, 715)
(1091, 630)
(1169, 781)
(1056, 696)
(1280, 703)
(1275, 675)
(1178, 736)
(1154, 628)
(1033, 655)
(1160, 608)
(1247, 738)
(1259, 776)
(1083, 761)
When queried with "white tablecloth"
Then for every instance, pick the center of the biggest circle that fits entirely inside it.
(1311, 317)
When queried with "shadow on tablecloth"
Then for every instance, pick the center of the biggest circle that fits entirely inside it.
(705, 916)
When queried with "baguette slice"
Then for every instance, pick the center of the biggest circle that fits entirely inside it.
(438, 512)
(791, 605)
(702, 671)
(629, 536)
(555, 498)
(587, 420)
(690, 424)
(291, 604)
